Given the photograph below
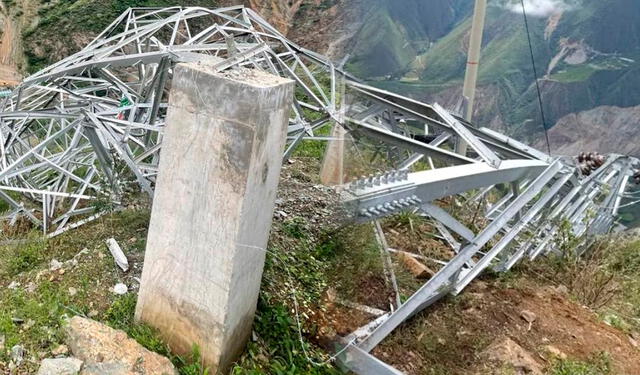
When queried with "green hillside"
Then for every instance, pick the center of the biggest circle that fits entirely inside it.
(605, 34)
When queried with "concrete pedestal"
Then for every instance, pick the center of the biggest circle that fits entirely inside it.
(212, 209)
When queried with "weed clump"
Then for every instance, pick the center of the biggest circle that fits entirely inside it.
(599, 364)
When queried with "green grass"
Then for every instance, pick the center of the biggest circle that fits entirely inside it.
(63, 26)
(121, 316)
(598, 365)
(33, 314)
(279, 349)
(25, 257)
(577, 73)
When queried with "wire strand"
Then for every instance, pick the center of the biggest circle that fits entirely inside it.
(293, 293)
(535, 76)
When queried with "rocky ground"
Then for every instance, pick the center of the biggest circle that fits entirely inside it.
(509, 325)
(60, 294)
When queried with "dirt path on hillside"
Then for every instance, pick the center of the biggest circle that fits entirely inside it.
(452, 335)
(9, 75)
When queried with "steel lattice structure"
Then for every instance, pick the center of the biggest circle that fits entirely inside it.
(65, 128)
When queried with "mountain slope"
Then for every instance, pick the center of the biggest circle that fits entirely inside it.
(587, 54)
(47, 31)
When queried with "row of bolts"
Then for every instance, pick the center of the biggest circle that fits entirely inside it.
(379, 179)
(388, 207)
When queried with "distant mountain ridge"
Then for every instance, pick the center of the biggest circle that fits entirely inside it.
(587, 54)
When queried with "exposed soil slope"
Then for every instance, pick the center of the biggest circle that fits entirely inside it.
(603, 129)
(451, 336)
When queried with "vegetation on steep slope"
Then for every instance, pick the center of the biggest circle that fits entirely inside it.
(64, 27)
(608, 30)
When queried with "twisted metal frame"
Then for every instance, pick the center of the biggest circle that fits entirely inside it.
(64, 129)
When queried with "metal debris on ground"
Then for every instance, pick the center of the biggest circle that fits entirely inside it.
(118, 255)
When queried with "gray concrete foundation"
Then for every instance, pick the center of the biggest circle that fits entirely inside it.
(212, 210)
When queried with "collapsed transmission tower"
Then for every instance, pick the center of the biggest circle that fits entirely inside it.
(66, 129)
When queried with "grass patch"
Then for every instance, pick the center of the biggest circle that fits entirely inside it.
(577, 73)
(278, 348)
(121, 316)
(25, 257)
(32, 314)
(598, 365)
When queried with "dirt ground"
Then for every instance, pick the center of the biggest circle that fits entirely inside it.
(9, 75)
(449, 338)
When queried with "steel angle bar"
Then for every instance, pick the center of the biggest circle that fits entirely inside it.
(518, 146)
(440, 125)
(386, 260)
(360, 362)
(19, 206)
(373, 201)
(407, 143)
(449, 221)
(117, 61)
(435, 184)
(440, 139)
(579, 190)
(480, 148)
(242, 56)
(442, 279)
(529, 216)
(499, 204)
(515, 230)
(144, 183)
(435, 289)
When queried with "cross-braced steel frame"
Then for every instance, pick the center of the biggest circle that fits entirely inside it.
(65, 129)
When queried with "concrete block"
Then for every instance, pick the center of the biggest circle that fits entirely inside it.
(212, 210)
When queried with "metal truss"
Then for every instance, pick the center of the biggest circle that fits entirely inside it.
(530, 199)
(66, 129)
(73, 133)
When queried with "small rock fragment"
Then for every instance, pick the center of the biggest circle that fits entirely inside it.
(60, 350)
(93, 313)
(528, 316)
(118, 254)
(54, 265)
(84, 251)
(31, 287)
(17, 354)
(562, 289)
(105, 350)
(418, 269)
(73, 291)
(480, 285)
(60, 366)
(120, 289)
(505, 351)
(14, 285)
(30, 323)
(555, 352)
